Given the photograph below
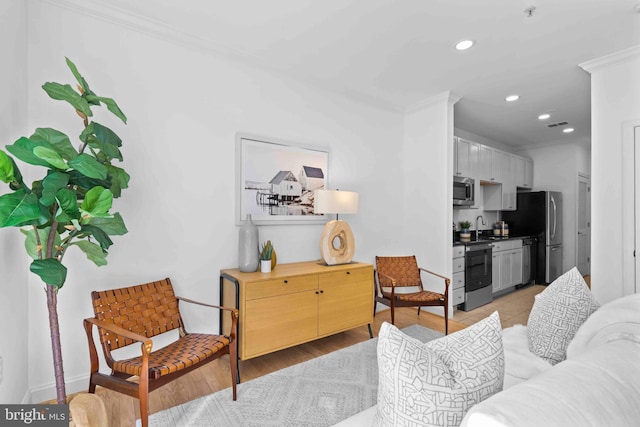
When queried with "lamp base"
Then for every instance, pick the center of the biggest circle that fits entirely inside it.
(337, 244)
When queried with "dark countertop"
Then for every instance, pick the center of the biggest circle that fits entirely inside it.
(484, 239)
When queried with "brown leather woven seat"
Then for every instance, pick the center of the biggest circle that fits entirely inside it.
(403, 272)
(136, 314)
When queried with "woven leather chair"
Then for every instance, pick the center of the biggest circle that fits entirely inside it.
(403, 271)
(138, 313)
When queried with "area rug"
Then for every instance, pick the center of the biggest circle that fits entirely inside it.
(316, 393)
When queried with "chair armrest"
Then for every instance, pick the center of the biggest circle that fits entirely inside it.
(393, 284)
(393, 281)
(233, 310)
(147, 342)
(447, 281)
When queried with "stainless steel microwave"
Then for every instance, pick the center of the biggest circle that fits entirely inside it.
(463, 191)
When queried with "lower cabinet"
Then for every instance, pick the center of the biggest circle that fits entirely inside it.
(507, 264)
(296, 303)
(457, 285)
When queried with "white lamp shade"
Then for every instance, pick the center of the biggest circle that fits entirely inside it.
(335, 202)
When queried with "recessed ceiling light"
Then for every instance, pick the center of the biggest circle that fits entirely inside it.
(464, 44)
(512, 98)
(544, 116)
(568, 130)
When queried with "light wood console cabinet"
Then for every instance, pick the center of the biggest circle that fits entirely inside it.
(296, 303)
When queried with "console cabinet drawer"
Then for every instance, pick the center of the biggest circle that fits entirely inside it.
(283, 286)
(346, 277)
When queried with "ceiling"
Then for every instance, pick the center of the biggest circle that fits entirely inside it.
(398, 54)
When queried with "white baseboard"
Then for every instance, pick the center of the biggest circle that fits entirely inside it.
(48, 391)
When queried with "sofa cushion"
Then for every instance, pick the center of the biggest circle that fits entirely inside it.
(557, 313)
(520, 364)
(597, 388)
(435, 383)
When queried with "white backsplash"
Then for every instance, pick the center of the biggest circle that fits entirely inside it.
(490, 217)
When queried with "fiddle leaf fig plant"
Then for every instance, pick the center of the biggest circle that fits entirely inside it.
(70, 205)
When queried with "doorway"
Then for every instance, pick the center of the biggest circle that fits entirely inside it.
(583, 220)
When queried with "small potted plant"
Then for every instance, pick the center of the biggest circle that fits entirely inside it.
(464, 230)
(266, 256)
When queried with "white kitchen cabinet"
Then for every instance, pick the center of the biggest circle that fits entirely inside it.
(502, 197)
(490, 164)
(466, 159)
(457, 293)
(507, 264)
(496, 263)
(524, 172)
(509, 182)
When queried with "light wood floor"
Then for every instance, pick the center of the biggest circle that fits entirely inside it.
(514, 308)
(122, 410)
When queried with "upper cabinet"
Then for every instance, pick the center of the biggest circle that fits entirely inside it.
(488, 165)
(524, 172)
(466, 158)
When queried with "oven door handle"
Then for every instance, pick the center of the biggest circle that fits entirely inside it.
(486, 262)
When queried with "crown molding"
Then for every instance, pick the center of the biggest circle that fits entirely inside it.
(611, 59)
(447, 96)
(103, 11)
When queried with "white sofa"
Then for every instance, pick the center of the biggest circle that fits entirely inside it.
(598, 384)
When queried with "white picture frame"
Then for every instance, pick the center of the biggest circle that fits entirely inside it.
(276, 180)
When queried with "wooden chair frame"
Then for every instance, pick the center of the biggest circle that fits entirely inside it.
(394, 300)
(113, 337)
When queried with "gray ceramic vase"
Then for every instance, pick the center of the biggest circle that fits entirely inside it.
(248, 254)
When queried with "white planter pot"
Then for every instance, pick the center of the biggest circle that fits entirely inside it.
(265, 265)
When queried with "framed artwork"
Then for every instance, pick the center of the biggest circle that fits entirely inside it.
(276, 180)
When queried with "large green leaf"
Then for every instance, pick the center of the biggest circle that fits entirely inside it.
(67, 93)
(89, 166)
(93, 252)
(107, 150)
(58, 140)
(111, 105)
(31, 243)
(6, 168)
(105, 134)
(68, 206)
(50, 186)
(19, 208)
(23, 150)
(84, 183)
(51, 157)
(97, 201)
(113, 226)
(81, 81)
(50, 270)
(98, 234)
(119, 180)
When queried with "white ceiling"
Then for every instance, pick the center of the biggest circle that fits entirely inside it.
(399, 53)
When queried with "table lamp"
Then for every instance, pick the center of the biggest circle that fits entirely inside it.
(336, 242)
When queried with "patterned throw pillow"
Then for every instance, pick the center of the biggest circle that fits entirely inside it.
(557, 313)
(435, 383)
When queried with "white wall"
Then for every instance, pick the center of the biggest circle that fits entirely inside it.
(556, 168)
(615, 99)
(427, 193)
(185, 106)
(13, 261)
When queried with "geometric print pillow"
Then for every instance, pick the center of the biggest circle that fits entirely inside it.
(557, 313)
(436, 383)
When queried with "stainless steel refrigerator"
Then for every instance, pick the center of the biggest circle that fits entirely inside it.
(539, 214)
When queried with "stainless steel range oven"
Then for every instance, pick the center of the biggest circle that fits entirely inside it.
(477, 275)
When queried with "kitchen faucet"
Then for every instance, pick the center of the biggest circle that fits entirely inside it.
(483, 223)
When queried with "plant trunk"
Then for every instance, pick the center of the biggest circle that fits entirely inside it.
(54, 328)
